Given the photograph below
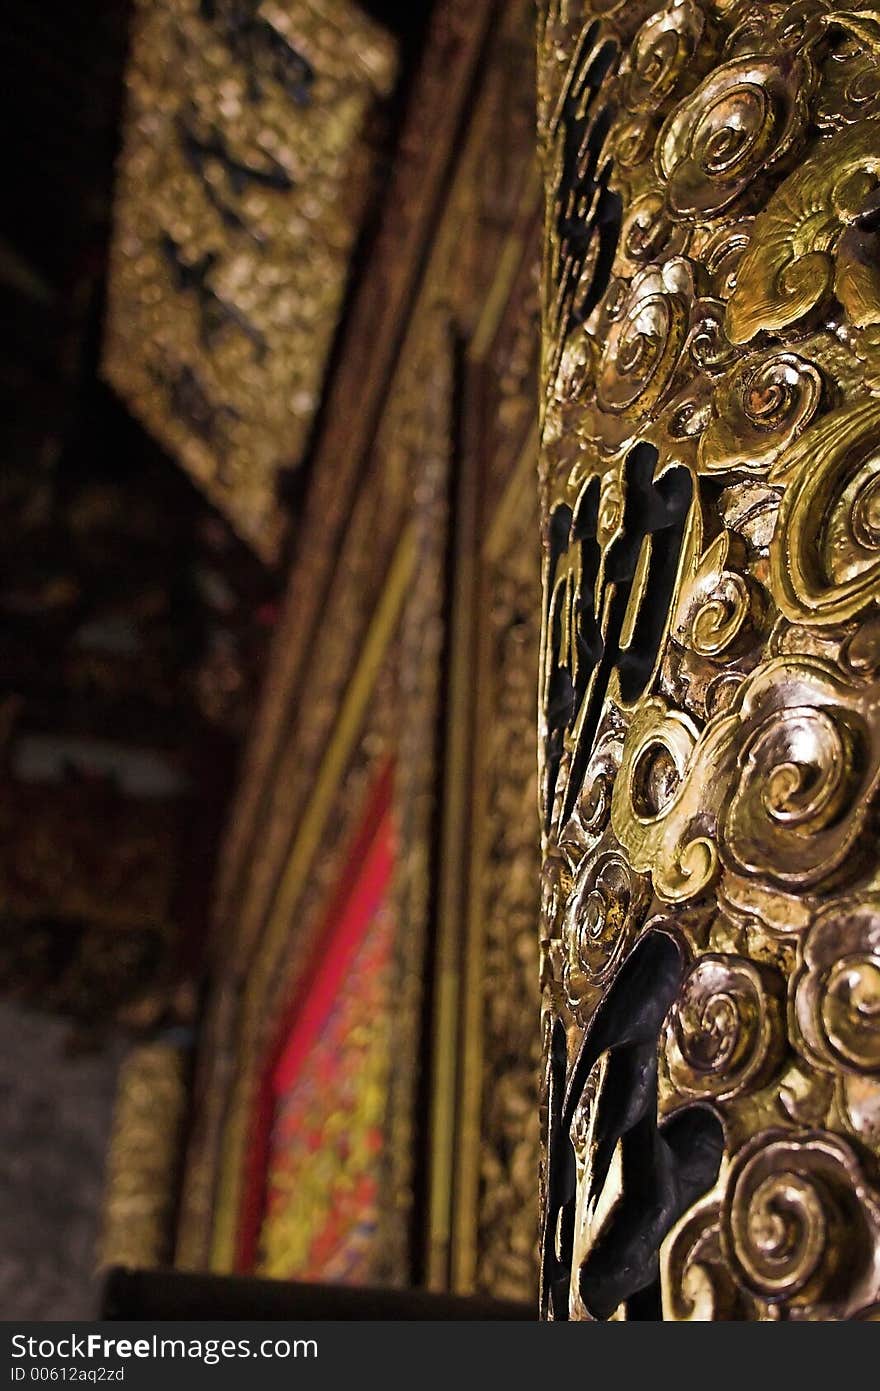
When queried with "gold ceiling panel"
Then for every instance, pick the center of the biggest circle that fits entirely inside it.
(244, 170)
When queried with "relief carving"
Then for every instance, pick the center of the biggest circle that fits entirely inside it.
(710, 665)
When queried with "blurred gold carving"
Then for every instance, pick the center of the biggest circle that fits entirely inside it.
(244, 172)
(710, 671)
(501, 1049)
(507, 1227)
(358, 667)
(143, 1161)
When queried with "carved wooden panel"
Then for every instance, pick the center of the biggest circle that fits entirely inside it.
(710, 685)
(243, 175)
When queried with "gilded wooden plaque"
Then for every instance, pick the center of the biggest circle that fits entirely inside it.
(710, 689)
(242, 179)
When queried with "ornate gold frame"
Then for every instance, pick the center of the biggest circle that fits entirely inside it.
(482, 1232)
(357, 670)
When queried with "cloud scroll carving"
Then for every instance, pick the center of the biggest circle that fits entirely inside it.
(710, 707)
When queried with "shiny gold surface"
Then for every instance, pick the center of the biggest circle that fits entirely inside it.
(242, 179)
(710, 688)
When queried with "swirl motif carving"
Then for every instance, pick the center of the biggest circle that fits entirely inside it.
(825, 555)
(711, 483)
(746, 117)
(758, 411)
(720, 608)
(564, 883)
(802, 766)
(650, 811)
(604, 909)
(836, 990)
(663, 54)
(698, 1285)
(646, 333)
(778, 784)
(710, 350)
(722, 253)
(851, 89)
(724, 1034)
(799, 1225)
(648, 233)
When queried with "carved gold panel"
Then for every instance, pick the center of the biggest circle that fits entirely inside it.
(710, 669)
(505, 887)
(484, 1160)
(360, 674)
(244, 171)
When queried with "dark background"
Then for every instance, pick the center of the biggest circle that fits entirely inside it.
(134, 633)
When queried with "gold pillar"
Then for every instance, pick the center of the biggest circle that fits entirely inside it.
(710, 683)
(143, 1161)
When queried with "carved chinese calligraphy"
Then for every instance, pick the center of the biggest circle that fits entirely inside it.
(710, 687)
(242, 180)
